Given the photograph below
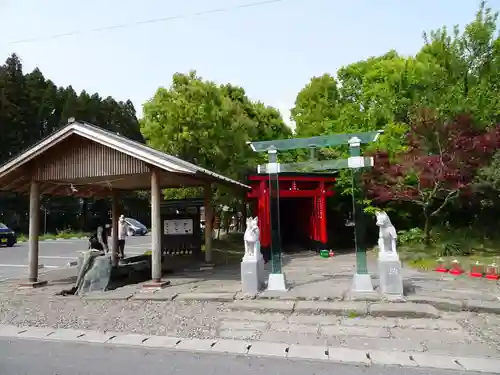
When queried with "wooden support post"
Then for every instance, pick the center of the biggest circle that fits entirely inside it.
(156, 232)
(34, 230)
(114, 227)
(209, 214)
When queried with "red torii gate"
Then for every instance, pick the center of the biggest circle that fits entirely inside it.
(317, 187)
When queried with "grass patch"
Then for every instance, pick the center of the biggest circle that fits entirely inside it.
(465, 245)
(426, 258)
(54, 236)
(353, 315)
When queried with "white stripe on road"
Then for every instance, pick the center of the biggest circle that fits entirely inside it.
(54, 257)
(26, 266)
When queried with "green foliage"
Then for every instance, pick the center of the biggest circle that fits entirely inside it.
(32, 107)
(413, 236)
(488, 180)
(457, 71)
(209, 125)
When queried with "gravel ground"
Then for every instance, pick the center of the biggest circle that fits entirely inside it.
(152, 318)
(181, 319)
(202, 320)
(484, 326)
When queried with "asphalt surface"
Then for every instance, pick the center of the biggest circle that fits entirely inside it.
(55, 254)
(33, 357)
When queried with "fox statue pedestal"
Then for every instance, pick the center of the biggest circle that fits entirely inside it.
(389, 265)
(252, 264)
(250, 283)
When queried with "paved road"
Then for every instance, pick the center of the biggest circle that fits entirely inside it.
(32, 357)
(55, 254)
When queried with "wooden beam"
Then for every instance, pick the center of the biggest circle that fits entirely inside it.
(23, 179)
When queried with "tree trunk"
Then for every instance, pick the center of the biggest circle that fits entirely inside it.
(427, 228)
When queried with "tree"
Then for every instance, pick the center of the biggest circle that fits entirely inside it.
(32, 107)
(440, 163)
(316, 104)
(208, 125)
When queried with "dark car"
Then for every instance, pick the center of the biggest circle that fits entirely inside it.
(135, 228)
(7, 236)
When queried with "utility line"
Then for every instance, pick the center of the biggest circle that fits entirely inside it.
(146, 22)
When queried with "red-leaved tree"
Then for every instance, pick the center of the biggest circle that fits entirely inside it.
(440, 162)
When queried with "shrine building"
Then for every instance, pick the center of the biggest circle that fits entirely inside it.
(302, 207)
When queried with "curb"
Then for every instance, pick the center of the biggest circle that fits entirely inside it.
(257, 348)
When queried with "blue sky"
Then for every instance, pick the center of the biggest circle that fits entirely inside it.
(271, 50)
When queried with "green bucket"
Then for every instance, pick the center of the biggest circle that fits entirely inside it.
(324, 253)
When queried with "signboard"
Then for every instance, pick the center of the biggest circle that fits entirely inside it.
(178, 227)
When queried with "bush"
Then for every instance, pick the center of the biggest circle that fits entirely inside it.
(414, 236)
(445, 242)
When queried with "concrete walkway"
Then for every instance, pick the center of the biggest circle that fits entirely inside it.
(311, 278)
(321, 352)
(442, 315)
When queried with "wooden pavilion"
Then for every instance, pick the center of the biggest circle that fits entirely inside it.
(84, 160)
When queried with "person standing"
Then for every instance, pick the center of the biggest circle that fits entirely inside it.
(122, 233)
(102, 237)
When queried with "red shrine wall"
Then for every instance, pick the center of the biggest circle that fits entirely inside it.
(309, 212)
